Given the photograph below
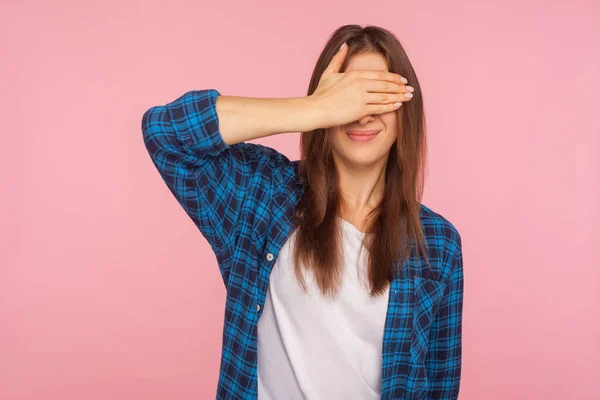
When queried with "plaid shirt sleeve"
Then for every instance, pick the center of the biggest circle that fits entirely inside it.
(209, 178)
(443, 360)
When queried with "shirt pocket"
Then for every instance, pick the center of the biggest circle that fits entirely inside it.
(428, 294)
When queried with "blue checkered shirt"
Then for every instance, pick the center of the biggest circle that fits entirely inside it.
(243, 199)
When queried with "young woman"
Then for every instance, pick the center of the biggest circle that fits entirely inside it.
(340, 283)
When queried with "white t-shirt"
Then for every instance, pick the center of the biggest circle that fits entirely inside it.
(310, 347)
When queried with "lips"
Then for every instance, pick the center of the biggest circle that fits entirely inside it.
(365, 132)
(362, 135)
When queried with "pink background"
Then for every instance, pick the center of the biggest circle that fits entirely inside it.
(107, 289)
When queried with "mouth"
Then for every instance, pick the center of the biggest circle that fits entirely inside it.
(362, 135)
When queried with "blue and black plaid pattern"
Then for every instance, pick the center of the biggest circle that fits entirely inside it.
(243, 198)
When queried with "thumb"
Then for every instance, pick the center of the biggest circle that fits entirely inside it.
(338, 59)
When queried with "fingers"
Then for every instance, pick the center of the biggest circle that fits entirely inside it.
(381, 76)
(383, 92)
(385, 86)
(373, 109)
(384, 98)
(338, 59)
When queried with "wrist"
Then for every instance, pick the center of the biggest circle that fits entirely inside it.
(313, 114)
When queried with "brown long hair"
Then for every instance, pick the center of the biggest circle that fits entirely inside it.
(394, 225)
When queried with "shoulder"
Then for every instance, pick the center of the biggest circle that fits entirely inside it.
(442, 237)
(437, 224)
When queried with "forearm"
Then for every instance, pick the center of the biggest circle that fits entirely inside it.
(247, 118)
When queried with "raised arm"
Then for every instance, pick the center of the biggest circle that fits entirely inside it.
(209, 171)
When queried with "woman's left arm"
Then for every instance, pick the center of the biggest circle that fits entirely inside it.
(444, 356)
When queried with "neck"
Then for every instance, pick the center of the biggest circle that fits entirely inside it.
(361, 187)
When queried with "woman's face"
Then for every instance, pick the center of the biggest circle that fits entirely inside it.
(351, 153)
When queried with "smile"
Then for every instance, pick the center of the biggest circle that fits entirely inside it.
(362, 136)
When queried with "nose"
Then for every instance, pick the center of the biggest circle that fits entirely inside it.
(366, 119)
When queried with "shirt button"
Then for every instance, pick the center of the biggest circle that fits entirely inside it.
(270, 257)
(298, 213)
(257, 307)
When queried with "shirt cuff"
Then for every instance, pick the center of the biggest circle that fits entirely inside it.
(196, 123)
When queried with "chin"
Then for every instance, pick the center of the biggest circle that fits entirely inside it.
(361, 158)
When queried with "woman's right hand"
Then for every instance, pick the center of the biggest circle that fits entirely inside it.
(349, 96)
